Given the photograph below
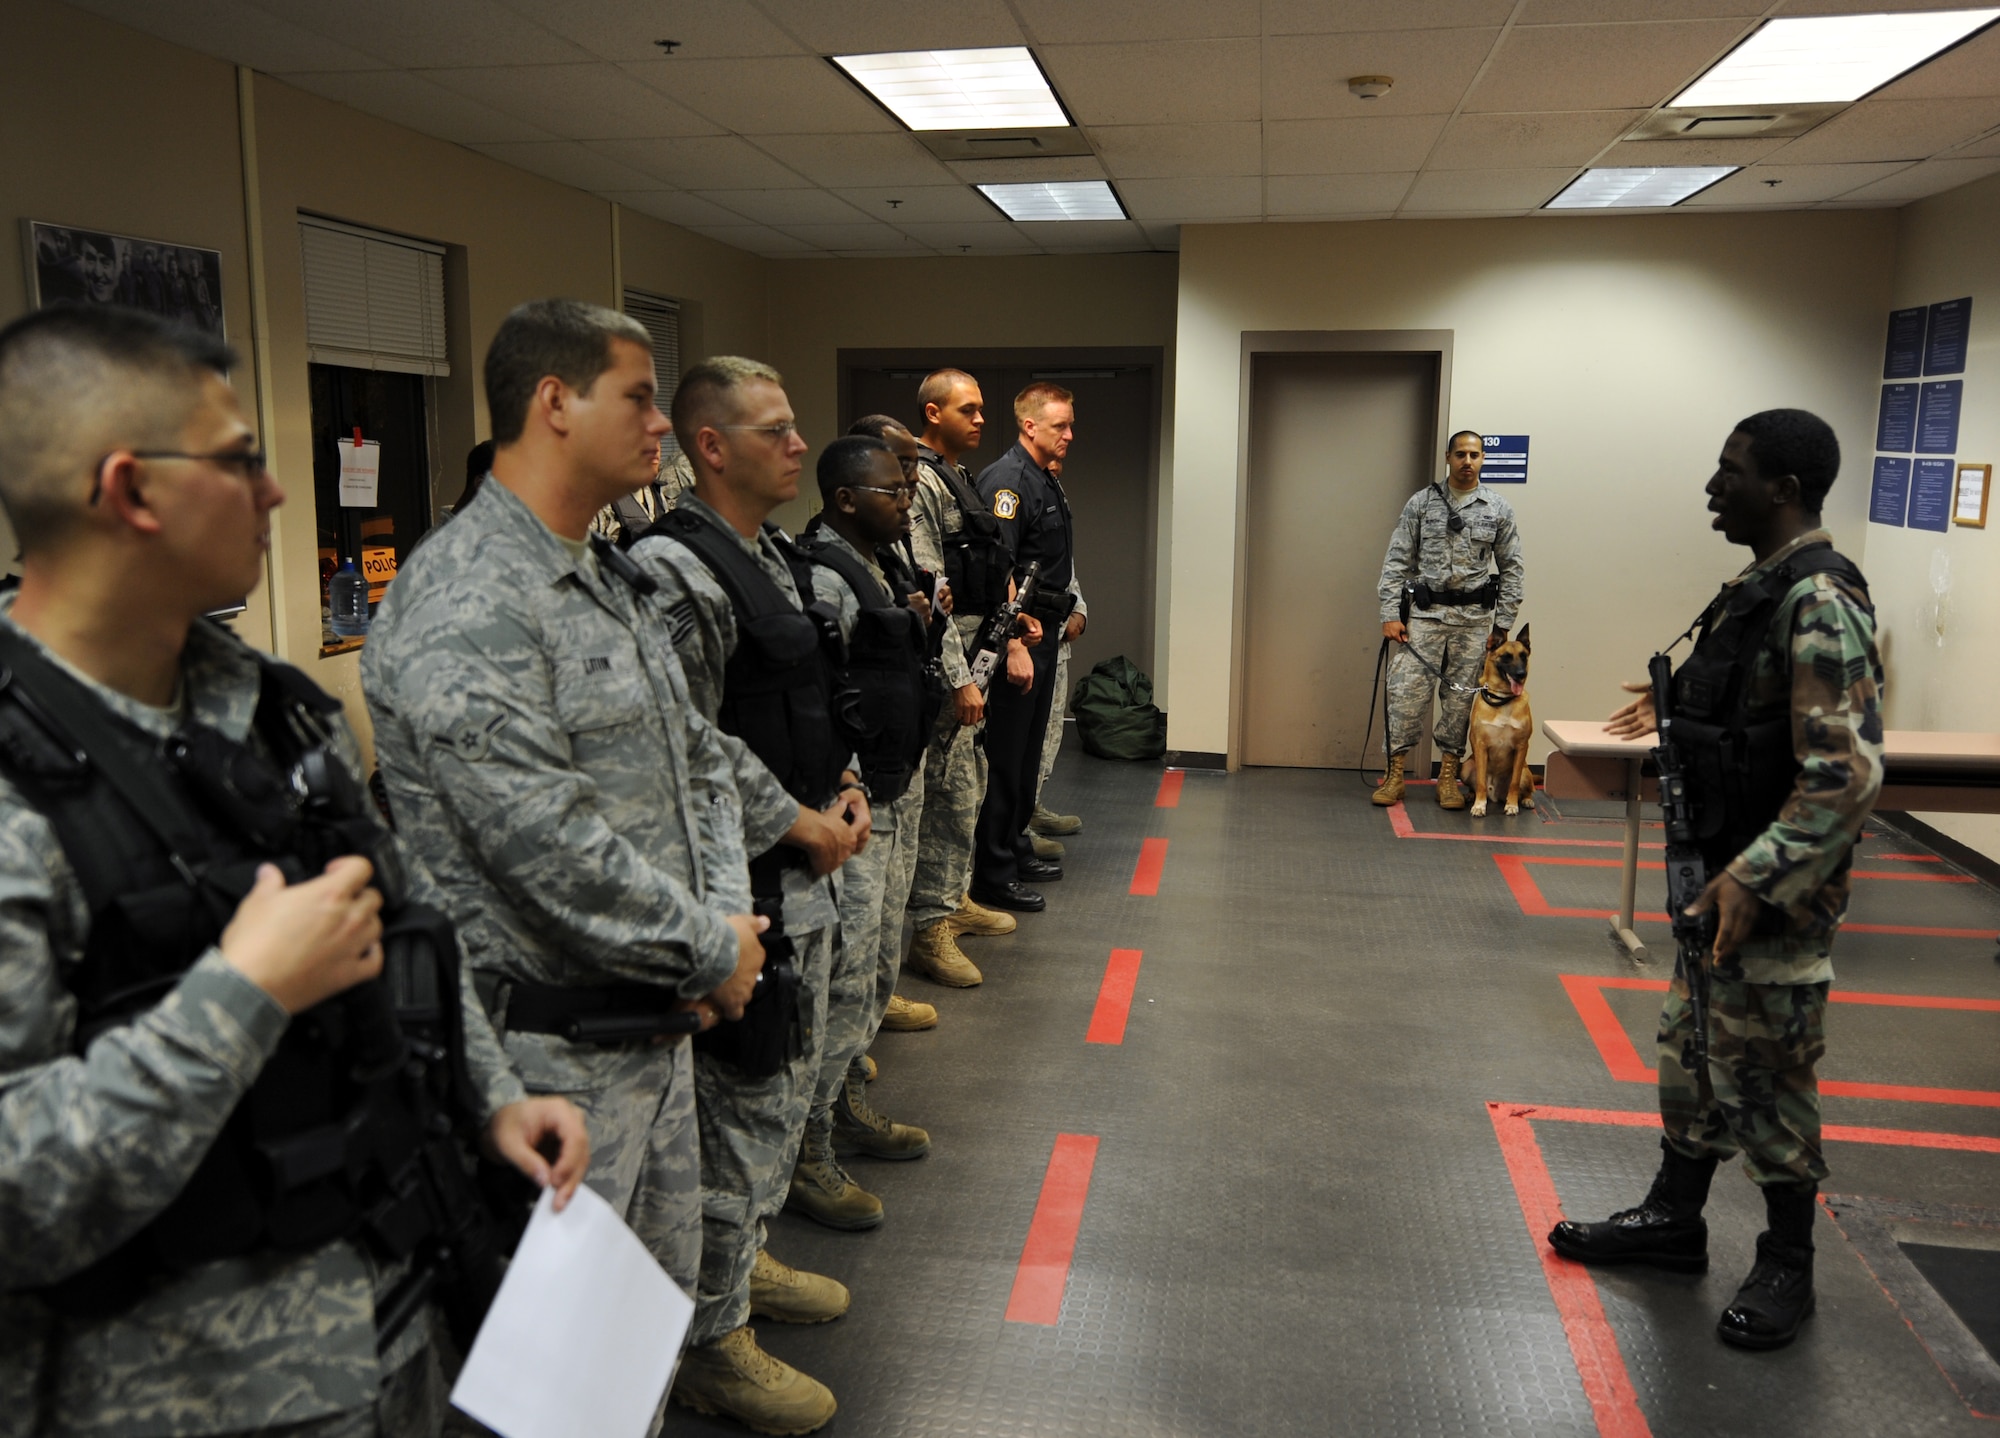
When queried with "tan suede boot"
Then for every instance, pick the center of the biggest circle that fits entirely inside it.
(904, 1017)
(823, 1192)
(935, 954)
(1451, 794)
(783, 1294)
(979, 921)
(1390, 790)
(1045, 848)
(869, 1070)
(859, 1127)
(1053, 825)
(735, 1378)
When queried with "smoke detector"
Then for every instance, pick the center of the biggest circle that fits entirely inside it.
(1369, 87)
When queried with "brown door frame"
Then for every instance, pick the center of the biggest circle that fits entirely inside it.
(1256, 342)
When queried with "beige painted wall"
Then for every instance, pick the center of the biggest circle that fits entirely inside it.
(1937, 596)
(1626, 347)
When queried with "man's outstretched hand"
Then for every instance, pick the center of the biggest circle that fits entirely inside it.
(1635, 720)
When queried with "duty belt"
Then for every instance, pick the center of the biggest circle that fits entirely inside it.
(1483, 597)
(597, 1013)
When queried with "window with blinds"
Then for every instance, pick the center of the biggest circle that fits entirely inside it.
(662, 319)
(373, 301)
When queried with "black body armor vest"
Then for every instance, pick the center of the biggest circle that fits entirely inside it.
(976, 561)
(777, 688)
(338, 1137)
(885, 701)
(1740, 757)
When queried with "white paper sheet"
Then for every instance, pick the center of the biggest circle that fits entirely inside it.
(584, 1334)
(360, 472)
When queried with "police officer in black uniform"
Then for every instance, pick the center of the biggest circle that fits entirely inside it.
(1035, 524)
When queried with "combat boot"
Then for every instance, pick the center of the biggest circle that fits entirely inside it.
(1451, 794)
(868, 1069)
(904, 1017)
(1053, 825)
(1666, 1230)
(821, 1189)
(1046, 849)
(934, 953)
(1390, 790)
(782, 1294)
(735, 1378)
(861, 1128)
(1777, 1298)
(978, 920)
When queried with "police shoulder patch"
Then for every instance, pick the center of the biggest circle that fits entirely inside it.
(1006, 504)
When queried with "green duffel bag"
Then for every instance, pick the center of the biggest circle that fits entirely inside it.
(1115, 714)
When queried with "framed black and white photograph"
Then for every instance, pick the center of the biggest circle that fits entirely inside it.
(176, 282)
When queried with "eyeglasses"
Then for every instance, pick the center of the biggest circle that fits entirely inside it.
(780, 432)
(250, 464)
(902, 493)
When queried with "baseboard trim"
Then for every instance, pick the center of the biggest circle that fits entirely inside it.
(1965, 857)
(1196, 759)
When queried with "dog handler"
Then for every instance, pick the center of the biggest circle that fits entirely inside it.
(1447, 543)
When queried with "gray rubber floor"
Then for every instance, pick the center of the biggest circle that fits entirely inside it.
(1300, 1220)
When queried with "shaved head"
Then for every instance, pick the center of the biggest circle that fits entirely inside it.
(707, 395)
(939, 383)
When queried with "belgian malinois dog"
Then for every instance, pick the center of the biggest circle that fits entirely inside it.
(1501, 728)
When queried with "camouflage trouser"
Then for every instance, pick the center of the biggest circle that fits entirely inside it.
(412, 1405)
(954, 786)
(645, 1159)
(875, 889)
(1454, 650)
(1761, 1092)
(750, 1129)
(1052, 745)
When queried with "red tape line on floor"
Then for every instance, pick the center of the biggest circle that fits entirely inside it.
(1114, 998)
(1152, 859)
(1169, 796)
(1045, 1258)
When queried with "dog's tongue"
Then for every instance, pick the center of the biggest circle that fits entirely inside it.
(1514, 688)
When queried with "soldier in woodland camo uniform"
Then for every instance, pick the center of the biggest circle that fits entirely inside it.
(1780, 899)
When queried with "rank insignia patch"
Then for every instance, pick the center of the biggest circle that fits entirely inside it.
(1006, 504)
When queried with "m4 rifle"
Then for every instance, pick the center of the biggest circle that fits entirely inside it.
(1687, 871)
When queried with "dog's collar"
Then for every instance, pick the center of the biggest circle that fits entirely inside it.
(1498, 701)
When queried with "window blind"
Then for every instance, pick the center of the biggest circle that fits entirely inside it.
(662, 320)
(373, 301)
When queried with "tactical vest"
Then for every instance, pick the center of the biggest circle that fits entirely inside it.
(1740, 757)
(777, 688)
(885, 694)
(976, 562)
(335, 1138)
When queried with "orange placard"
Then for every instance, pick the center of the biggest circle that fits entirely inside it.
(378, 567)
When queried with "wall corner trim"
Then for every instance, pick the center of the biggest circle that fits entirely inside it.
(260, 336)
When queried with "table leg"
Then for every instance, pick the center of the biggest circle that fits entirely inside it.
(1621, 925)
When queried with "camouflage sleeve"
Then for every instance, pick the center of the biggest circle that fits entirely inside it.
(830, 588)
(926, 529)
(1513, 574)
(1836, 689)
(725, 856)
(1399, 565)
(1076, 588)
(93, 1147)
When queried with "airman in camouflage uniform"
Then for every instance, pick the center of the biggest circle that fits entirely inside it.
(1780, 900)
(1449, 539)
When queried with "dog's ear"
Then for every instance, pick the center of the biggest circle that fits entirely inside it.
(1522, 639)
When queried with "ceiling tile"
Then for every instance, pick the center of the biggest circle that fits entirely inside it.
(430, 35)
(1007, 172)
(676, 207)
(1467, 191)
(1163, 151)
(1081, 236)
(1932, 177)
(787, 209)
(1211, 198)
(1477, 142)
(1600, 67)
(408, 99)
(1893, 130)
(623, 30)
(1305, 196)
(757, 239)
(1574, 12)
(1971, 69)
(1305, 77)
(236, 31)
(987, 237)
(1327, 17)
(859, 235)
(863, 27)
(1156, 82)
(1337, 219)
(703, 162)
(1978, 149)
(569, 162)
(1064, 22)
(1797, 184)
(577, 102)
(1689, 152)
(1342, 147)
(920, 204)
(858, 159)
(793, 95)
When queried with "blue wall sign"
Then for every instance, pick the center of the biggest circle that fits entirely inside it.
(1506, 459)
(1903, 358)
(1945, 338)
(1896, 425)
(1937, 416)
(1930, 495)
(1890, 494)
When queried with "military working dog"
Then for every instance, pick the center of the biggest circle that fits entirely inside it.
(1501, 728)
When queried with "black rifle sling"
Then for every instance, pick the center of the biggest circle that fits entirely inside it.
(869, 592)
(751, 591)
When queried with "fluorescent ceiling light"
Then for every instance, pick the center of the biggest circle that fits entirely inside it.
(1819, 59)
(1056, 200)
(995, 89)
(1637, 186)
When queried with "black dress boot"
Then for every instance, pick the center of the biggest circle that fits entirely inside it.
(1666, 1230)
(1777, 1298)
